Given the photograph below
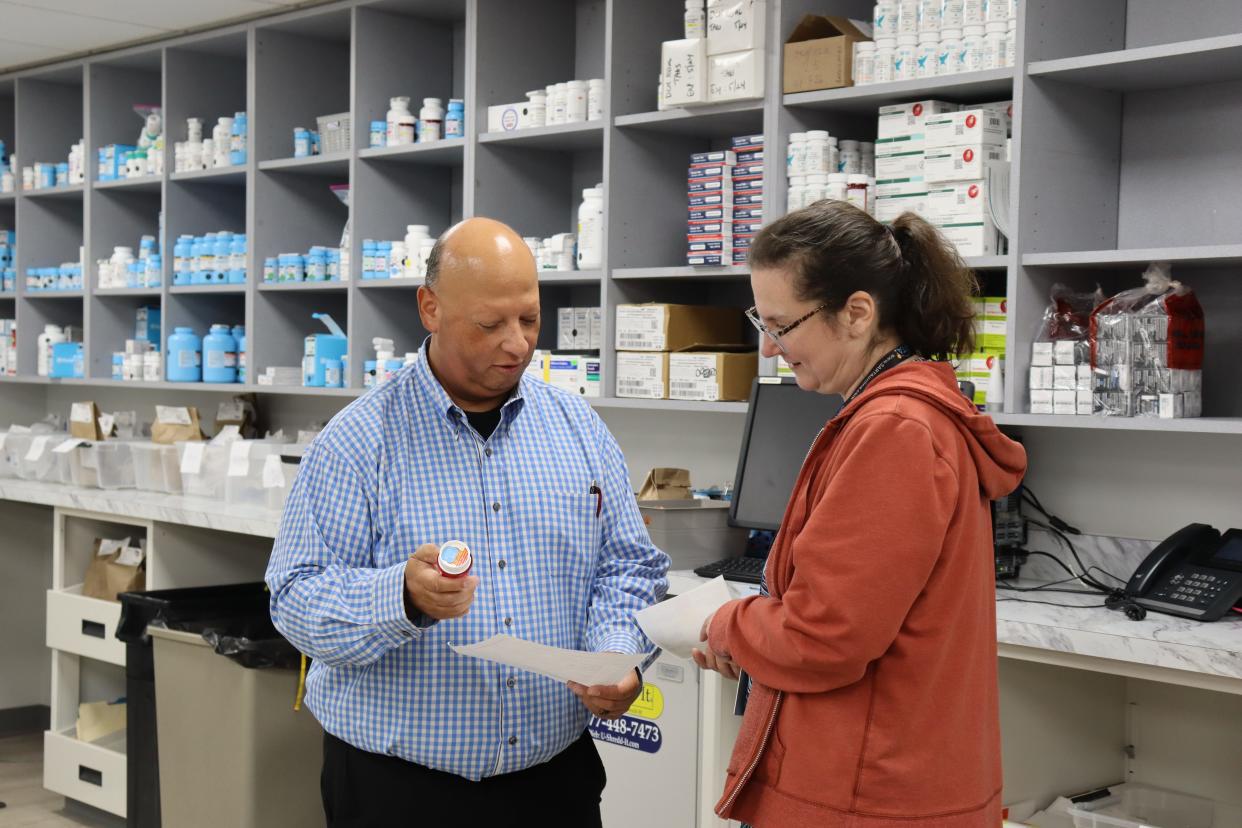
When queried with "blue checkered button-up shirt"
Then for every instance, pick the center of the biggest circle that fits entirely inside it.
(401, 467)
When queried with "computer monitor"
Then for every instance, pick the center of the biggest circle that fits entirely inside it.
(781, 423)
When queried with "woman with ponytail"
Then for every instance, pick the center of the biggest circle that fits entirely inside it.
(869, 657)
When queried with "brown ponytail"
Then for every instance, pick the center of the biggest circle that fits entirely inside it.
(921, 286)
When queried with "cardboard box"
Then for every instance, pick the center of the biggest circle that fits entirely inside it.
(908, 164)
(708, 170)
(888, 208)
(735, 25)
(718, 213)
(957, 163)
(965, 128)
(665, 327)
(747, 143)
(706, 259)
(726, 157)
(957, 202)
(819, 54)
(908, 119)
(1041, 353)
(1085, 405)
(642, 375)
(1041, 378)
(718, 184)
(566, 336)
(683, 72)
(735, 76)
(509, 117)
(582, 328)
(900, 186)
(973, 238)
(711, 375)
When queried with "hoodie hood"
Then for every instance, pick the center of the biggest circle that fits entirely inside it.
(1000, 461)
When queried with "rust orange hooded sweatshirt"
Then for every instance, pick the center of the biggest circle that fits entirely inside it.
(874, 701)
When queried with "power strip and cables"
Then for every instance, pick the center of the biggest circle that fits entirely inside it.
(1114, 594)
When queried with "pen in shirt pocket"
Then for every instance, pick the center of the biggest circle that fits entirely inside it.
(599, 497)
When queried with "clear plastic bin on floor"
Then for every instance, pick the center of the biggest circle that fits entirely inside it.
(102, 465)
(1141, 806)
(45, 467)
(249, 489)
(157, 468)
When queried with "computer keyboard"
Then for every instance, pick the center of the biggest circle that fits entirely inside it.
(746, 570)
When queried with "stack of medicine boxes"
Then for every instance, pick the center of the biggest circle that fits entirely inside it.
(575, 365)
(8, 261)
(726, 202)
(959, 149)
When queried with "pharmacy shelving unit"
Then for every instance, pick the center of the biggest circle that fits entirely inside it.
(1124, 118)
(1093, 194)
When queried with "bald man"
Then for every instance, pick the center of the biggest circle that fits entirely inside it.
(462, 445)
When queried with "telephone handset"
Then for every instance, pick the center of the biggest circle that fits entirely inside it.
(1196, 573)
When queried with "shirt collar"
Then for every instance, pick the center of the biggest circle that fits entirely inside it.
(427, 387)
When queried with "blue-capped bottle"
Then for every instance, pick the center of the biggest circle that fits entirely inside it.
(237, 260)
(222, 257)
(455, 119)
(153, 273)
(241, 353)
(183, 264)
(368, 259)
(220, 355)
(185, 356)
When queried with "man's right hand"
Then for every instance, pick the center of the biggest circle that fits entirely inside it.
(430, 592)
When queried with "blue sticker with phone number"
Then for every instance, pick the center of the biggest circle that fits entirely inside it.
(627, 731)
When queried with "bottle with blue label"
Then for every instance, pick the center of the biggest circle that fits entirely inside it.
(379, 133)
(222, 257)
(237, 262)
(334, 264)
(199, 256)
(152, 273)
(220, 355)
(323, 355)
(241, 352)
(455, 119)
(237, 140)
(182, 263)
(301, 143)
(118, 366)
(269, 269)
(185, 356)
(383, 253)
(368, 259)
(317, 265)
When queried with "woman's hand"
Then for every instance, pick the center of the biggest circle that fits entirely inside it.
(709, 659)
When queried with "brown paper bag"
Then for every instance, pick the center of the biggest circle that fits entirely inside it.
(175, 424)
(666, 484)
(241, 411)
(106, 577)
(84, 421)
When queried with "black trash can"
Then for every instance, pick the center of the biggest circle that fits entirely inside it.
(191, 608)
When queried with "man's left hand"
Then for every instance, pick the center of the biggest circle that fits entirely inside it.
(609, 701)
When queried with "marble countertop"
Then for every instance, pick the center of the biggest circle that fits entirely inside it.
(188, 511)
(1164, 641)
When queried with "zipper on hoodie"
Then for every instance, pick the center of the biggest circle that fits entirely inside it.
(754, 763)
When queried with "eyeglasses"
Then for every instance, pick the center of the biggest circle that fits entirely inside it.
(752, 313)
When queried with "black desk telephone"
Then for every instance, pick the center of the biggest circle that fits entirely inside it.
(1195, 573)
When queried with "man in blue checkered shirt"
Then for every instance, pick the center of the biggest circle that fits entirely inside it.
(462, 445)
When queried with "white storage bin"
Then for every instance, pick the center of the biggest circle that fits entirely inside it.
(104, 465)
(208, 480)
(1141, 806)
(93, 773)
(157, 468)
(247, 489)
(46, 467)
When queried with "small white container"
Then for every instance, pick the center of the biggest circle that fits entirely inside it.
(950, 55)
(927, 59)
(696, 20)
(905, 59)
(851, 158)
(994, 46)
(431, 120)
(837, 187)
(972, 49)
(818, 152)
(595, 99)
(864, 63)
(1011, 42)
(795, 156)
(816, 189)
(575, 102)
(884, 52)
(999, 11)
(974, 13)
(908, 17)
(884, 19)
(951, 14)
(537, 107)
(930, 16)
(795, 197)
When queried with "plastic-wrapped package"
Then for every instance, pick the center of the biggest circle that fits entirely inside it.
(1147, 350)
(1060, 377)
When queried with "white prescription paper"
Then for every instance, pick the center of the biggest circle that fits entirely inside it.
(563, 665)
(192, 459)
(675, 624)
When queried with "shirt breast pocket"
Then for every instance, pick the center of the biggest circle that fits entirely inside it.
(568, 537)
